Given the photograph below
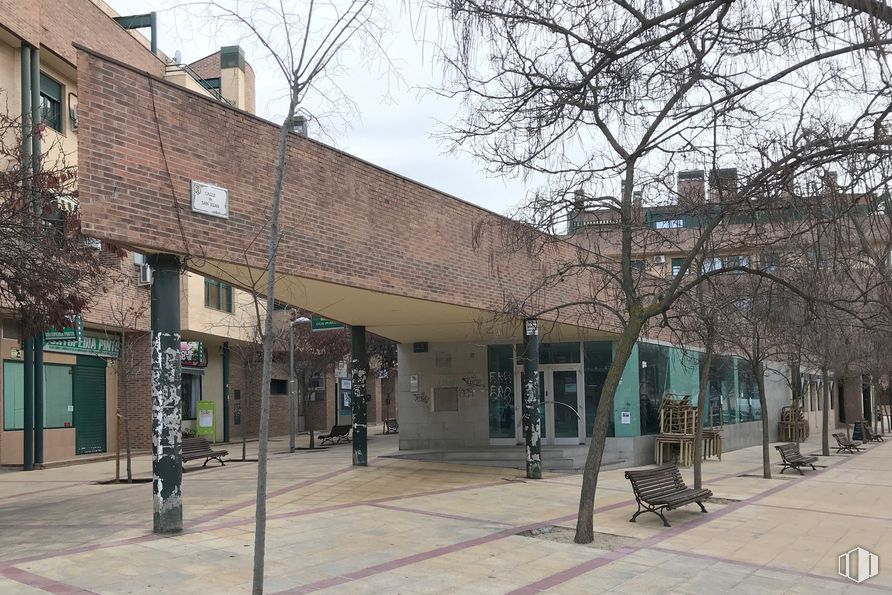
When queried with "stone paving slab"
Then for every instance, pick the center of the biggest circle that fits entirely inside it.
(407, 526)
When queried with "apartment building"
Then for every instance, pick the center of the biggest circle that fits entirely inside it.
(97, 372)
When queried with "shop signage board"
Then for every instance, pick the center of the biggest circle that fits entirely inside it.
(318, 323)
(210, 200)
(86, 345)
(74, 332)
(193, 354)
(206, 420)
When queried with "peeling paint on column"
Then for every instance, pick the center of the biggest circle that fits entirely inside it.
(531, 417)
(360, 370)
(167, 466)
(166, 432)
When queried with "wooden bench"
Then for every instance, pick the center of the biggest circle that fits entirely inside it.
(791, 458)
(843, 444)
(662, 489)
(198, 447)
(338, 434)
(391, 426)
(869, 435)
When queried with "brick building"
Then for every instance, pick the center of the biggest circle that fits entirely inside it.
(107, 371)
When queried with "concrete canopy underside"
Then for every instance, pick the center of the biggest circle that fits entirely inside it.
(358, 244)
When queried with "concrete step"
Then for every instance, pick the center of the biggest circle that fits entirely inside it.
(557, 458)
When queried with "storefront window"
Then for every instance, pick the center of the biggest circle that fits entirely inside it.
(58, 392)
(652, 384)
(190, 394)
(500, 387)
(750, 408)
(723, 402)
(598, 357)
(57, 410)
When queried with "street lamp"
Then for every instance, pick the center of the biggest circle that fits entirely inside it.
(291, 387)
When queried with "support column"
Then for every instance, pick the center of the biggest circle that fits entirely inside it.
(167, 469)
(225, 391)
(531, 431)
(359, 403)
(28, 414)
(38, 399)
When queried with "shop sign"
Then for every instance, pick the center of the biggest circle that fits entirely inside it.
(70, 333)
(210, 200)
(86, 345)
(193, 354)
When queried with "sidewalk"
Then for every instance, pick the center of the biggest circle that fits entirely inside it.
(407, 526)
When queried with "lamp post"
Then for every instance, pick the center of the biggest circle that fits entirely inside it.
(291, 379)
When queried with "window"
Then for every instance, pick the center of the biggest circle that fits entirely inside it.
(217, 295)
(57, 411)
(637, 265)
(190, 394)
(770, 262)
(676, 265)
(669, 224)
(736, 261)
(50, 102)
(712, 264)
(211, 84)
(278, 386)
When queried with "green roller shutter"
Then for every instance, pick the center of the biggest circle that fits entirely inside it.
(89, 404)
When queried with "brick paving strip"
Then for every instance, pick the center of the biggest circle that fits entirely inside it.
(652, 543)
(38, 582)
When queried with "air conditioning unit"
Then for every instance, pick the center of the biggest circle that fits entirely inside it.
(659, 259)
(145, 275)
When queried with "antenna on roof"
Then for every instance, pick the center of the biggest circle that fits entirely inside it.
(178, 57)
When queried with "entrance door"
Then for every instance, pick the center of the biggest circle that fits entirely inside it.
(560, 404)
(89, 405)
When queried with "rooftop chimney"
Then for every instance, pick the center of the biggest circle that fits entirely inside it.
(722, 184)
(691, 186)
(299, 124)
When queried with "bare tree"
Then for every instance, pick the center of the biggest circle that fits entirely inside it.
(304, 40)
(585, 94)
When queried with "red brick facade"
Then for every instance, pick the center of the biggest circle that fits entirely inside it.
(135, 194)
(58, 24)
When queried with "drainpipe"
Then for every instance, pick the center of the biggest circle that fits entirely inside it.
(38, 211)
(27, 342)
(38, 399)
(225, 390)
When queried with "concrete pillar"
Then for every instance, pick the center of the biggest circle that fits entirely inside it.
(360, 369)
(28, 414)
(167, 470)
(531, 431)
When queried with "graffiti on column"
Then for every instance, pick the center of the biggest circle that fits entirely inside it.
(166, 436)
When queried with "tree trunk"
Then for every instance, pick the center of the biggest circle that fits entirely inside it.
(702, 398)
(825, 417)
(585, 519)
(759, 371)
(266, 375)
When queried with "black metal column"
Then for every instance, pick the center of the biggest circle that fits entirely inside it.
(167, 467)
(28, 414)
(359, 402)
(531, 419)
(225, 391)
(38, 399)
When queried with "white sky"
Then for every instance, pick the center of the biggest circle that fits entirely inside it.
(398, 119)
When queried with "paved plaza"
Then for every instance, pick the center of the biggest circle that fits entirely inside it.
(402, 526)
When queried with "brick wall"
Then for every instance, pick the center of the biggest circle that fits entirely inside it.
(432, 251)
(207, 67)
(135, 388)
(57, 24)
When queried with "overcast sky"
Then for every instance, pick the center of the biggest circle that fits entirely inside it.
(398, 118)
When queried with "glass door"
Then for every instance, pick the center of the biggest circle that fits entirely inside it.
(565, 404)
(559, 404)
